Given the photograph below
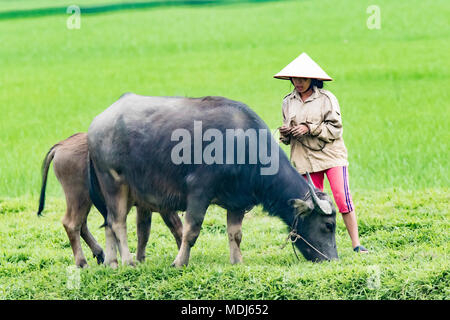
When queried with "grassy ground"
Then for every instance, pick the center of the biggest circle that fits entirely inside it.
(407, 233)
(392, 83)
(393, 88)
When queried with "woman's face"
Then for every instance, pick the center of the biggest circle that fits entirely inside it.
(301, 84)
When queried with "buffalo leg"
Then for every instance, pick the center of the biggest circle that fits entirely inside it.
(110, 248)
(173, 222)
(118, 212)
(96, 249)
(118, 204)
(72, 222)
(195, 213)
(234, 229)
(144, 222)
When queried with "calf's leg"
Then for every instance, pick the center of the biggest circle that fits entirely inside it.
(72, 222)
(96, 249)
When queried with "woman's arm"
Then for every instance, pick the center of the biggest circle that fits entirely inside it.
(331, 127)
(286, 139)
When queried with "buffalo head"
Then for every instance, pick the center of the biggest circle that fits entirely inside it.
(315, 225)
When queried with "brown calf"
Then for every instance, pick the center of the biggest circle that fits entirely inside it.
(70, 165)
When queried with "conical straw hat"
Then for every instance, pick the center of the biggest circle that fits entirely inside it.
(303, 67)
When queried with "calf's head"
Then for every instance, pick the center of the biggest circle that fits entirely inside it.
(315, 222)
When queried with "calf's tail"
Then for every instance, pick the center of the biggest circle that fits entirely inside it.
(45, 166)
(95, 192)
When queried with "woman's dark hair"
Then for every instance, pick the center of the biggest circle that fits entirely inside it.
(318, 83)
(314, 82)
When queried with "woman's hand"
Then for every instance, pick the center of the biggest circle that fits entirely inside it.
(299, 130)
(285, 131)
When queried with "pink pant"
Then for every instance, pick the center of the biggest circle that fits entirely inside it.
(338, 179)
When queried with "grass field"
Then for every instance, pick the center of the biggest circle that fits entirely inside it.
(393, 86)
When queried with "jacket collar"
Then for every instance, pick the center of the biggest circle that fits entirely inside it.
(296, 95)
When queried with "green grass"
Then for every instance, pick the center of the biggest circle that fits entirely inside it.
(407, 233)
(392, 83)
(393, 87)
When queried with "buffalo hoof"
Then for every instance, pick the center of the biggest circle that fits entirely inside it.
(236, 260)
(82, 264)
(112, 264)
(130, 263)
(178, 265)
(100, 257)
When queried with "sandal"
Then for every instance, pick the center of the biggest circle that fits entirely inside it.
(361, 249)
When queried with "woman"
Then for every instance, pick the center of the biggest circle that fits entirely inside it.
(312, 126)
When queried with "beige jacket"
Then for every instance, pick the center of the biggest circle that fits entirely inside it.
(323, 147)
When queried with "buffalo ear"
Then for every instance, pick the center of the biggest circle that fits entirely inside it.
(301, 206)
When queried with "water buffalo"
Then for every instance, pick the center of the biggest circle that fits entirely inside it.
(69, 163)
(183, 154)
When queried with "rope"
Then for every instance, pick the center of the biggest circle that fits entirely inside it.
(294, 225)
(299, 139)
(297, 236)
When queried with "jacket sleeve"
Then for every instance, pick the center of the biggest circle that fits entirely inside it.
(331, 127)
(285, 139)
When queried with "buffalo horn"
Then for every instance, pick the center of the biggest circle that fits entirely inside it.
(323, 205)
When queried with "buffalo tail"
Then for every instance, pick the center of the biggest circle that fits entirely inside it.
(44, 172)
